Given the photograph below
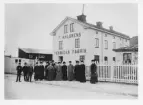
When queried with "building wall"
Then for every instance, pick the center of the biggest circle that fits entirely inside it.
(87, 41)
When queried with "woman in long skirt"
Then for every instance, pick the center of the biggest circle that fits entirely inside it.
(70, 71)
(64, 71)
(50, 72)
(93, 69)
(59, 72)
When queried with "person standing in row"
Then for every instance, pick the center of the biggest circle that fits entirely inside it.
(50, 69)
(25, 71)
(59, 72)
(30, 73)
(93, 70)
(41, 71)
(46, 70)
(55, 69)
(64, 71)
(36, 71)
(70, 71)
(82, 72)
(19, 70)
(76, 71)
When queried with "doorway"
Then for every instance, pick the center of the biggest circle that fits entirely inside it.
(61, 58)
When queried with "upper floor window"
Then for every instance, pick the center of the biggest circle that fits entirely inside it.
(114, 45)
(106, 44)
(114, 59)
(65, 28)
(105, 58)
(96, 42)
(77, 43)
(60, 45)
(105, 35)
(71, 27)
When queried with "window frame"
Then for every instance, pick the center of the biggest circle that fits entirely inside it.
(65, 29)
(82, 57)
(71, 27)
(106, 44)
(96, 42)
(77, 43)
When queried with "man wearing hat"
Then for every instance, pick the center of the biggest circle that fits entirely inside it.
(77, 71)
(82, 72)
(25, 71)
(70, 71)
(41, 71)
(93, 70)
(19, 70)
(36, 71)
(64, 71)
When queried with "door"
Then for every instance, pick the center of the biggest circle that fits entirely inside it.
(61, 58)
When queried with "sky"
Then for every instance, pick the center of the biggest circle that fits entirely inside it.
(30, 25)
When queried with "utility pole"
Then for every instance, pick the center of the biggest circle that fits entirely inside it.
(83, 9)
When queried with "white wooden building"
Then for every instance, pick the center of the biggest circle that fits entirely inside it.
(76, 39)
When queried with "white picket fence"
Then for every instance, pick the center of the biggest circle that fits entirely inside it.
(116, 73)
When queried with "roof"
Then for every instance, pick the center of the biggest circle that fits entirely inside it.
(130, 48)
(39, 51)
(92, 26)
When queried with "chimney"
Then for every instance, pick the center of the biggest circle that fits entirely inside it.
(111, 28)
(82, 18)
(99, 24)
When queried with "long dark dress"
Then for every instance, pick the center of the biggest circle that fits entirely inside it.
(82, 73)
(94, 77)
(41, 71)
(70, 72)
(50, 72)
(77, 72)
(64, 72)
(36, 68)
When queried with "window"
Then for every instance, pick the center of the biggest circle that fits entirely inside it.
(96, 32)
(96, 58)
(65, 28)
(105, 58)
(16, 60)
(114, 45)
(106, 44)
(105, 35)
(127, 58)
(96, 42)
(77, 43)
(71, 27)
(60, 45)
(82, 58)
(114, 59)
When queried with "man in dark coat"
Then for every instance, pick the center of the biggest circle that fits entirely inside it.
(41, 71)
(36, 68)
(76, 71)
(46, 70)
(64, 71)
(30, 72)
(19, 70)
(25, 71)
(82, 72)
(93, 70)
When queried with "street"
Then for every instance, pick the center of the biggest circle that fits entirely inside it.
(36, 90)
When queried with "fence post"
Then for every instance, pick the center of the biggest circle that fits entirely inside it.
(112, 73)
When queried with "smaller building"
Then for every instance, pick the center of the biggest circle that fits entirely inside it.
(127, 55)
(28, 53)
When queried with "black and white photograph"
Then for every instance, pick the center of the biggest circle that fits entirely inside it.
(70, 51)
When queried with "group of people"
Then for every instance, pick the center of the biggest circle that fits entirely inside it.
(57, 71)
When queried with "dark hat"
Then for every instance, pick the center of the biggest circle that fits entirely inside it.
(59, 62)
(81, 61)
(93, 60)
(19, 63)
(36, 62)
(77, 61)
(25, 63)
(70, 61)
(64, 62)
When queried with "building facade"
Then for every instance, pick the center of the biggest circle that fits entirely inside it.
(75, 39)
